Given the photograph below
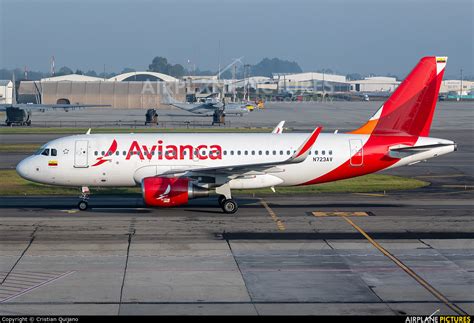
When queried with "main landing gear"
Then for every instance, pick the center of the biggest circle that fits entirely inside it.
(225, 200)
(229, 206)
(83, 203)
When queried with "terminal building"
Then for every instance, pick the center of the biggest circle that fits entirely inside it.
(311, 82)
(457, 86)
(374, 84)
(6, 91)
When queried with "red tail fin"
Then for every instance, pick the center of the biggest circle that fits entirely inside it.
(410, 109)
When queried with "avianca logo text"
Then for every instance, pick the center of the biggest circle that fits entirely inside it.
(173, 152)
(161, 151)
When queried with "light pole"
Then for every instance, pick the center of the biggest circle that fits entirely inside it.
(247, 79)
(234, 72)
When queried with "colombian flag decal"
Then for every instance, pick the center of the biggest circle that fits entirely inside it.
(53, 163)
(440, 60)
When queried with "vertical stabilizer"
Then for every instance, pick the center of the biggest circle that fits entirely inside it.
(410, 109)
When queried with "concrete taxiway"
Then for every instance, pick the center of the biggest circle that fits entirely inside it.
(394, 253)
(279, 255)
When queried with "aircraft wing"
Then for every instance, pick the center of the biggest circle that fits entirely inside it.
(235, 108)
(233, 171)
(199, 108)
(183, 106)
(373, 94)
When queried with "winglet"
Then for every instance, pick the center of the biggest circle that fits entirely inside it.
(303, 151)
(88, 131)
(279, 128)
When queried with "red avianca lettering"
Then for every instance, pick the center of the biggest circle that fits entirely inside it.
(174, 152)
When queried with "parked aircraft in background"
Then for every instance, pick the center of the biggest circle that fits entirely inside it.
(209, 107)
(20, 113)
(173, 168)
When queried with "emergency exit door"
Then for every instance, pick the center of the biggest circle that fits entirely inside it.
(81, 153)
(357, 152)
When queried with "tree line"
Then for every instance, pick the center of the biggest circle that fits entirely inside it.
(266, 67)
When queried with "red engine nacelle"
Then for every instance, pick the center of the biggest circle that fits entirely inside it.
(168, 192)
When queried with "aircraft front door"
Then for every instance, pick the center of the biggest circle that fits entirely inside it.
(81, 153)
(357, 152)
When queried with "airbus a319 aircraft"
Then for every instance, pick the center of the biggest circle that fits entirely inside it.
(174, 168)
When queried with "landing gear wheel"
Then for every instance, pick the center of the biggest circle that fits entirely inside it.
(221, 199)
(82, 205)
(229, 206)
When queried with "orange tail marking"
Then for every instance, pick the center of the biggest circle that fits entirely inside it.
(366, 129)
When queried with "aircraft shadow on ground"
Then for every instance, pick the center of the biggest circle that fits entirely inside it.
(193, 206)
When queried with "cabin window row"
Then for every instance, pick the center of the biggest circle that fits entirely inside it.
(225, 153)
(270, 152)
(153, 153)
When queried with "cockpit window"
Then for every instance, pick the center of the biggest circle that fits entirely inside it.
(45, 152)
(54, 152)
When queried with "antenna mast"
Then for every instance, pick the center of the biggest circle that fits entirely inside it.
(53, 71)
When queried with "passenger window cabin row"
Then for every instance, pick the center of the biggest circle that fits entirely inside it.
(225, 153)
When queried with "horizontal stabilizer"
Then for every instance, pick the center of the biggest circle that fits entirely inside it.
(400, 152)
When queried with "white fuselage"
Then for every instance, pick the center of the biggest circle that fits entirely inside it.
(92, 160)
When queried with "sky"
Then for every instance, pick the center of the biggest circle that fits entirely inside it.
(364, 36)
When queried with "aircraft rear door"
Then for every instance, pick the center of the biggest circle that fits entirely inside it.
(81, 153)
(357, 152)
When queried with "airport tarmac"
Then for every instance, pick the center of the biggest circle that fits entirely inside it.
(279, 254)
(298, 115)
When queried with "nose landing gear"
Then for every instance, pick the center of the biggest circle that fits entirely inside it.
(83, 203)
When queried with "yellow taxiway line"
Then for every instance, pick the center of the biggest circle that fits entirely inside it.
(273, 215)
(408, 270)
(337, 213)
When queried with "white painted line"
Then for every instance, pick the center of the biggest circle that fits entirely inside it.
(36, 286)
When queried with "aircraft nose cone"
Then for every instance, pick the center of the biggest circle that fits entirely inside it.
(23, 169)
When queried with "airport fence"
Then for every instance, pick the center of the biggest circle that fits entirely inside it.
(126, 124)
